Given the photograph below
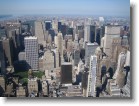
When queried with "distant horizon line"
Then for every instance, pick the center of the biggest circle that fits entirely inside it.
(63, 15)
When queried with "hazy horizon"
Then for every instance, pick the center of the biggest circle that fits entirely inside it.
(66, 7)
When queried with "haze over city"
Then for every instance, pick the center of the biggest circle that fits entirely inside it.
(66, 7)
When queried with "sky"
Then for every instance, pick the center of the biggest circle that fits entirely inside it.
(67, 7)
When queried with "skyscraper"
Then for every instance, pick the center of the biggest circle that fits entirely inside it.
(92, 33)
(86, 33)
(40, 32)
(92, 76)
(66, 73)
(60, 43)
(2, 59)
(8, 50)
(31, 52)
(111, 31)
(48, 25)
(89, 50)
(76, 57)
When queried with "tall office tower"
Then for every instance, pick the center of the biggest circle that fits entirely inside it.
(76, 44)
(56, 59)
(89, 34)
(125, 41)
(127, 62)
(54, 24)
(16, 26)
(98, 35)
(120, 64)
(2, 59)
(33, 86)
(70, 46)
(86, 34)
(89, 50)
(69, 31)
(111, 31)
(52, 32)
(92, 33)
(101, 21)
(85, 81)
(60, 43)
(116, 43)
(92, 76)
(48, 25)
(80, 31)
(102, 42)
(56, 41)
(59, 26)
(81, 34)
(31, 52)
(8, 50)
(40, 32)
(81, 43)
(102, 31)
(76, 57)
(48, 60)
(63, 30)
(66, 73)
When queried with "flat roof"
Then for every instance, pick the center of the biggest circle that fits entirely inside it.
(95, 43)
(31, 37)
(66, 63)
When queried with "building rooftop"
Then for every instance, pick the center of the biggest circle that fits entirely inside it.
(31, 37)
(95, 43)
(66, 63)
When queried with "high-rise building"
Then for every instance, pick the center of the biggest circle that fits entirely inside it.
(60, 43)
(98, 35)
(31, 52)
(76, 57)
(120, 64)
(89, 33)
(66, 73)
(2, 59)
(40, 32)
(63, 30)
(86, 33)
(48, 60)
(8, 50)
(92, 76)
(92, 33)
(56, 59)
(116, 43)
(111, 31)
(48, 25)
(59, 26)
(89, 50)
